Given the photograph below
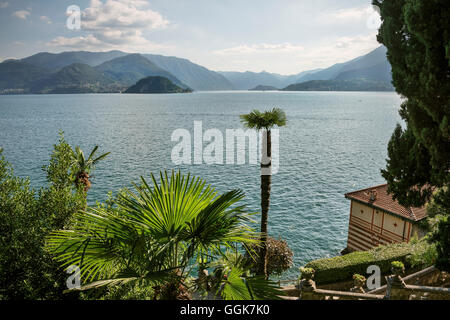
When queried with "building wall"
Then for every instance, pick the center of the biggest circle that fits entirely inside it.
(369, 227)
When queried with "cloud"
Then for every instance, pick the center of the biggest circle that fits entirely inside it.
(340, 50)
(4, 5)
(22, 14)
(354, 16)
(76, 42)
(115, 24)
(105, 42)
(46, 19)
(290, 58)
(262, 48)
(121, 14)
(348, 14)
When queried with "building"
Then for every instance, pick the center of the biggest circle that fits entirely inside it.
(376, 218)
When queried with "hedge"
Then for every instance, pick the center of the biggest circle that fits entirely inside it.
(342, 268)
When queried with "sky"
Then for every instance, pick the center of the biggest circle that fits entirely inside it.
(278, 36)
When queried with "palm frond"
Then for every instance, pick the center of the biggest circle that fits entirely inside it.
(238, 283)
(155, 229)
(220, 224)
(85, 165)
(262, 289)
(103, 156)
(96, 243)
(124, 278)
(91, 156)
(167, 207)
(240, 287)
(264, 120)
(234, 287)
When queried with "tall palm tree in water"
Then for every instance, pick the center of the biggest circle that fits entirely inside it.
(84, 166)
(265, 121)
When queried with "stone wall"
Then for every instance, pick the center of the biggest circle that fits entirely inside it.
(427, 284)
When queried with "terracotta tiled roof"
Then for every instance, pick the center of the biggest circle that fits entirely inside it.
(383, 201)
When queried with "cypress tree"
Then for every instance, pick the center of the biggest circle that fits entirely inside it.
(417, 36)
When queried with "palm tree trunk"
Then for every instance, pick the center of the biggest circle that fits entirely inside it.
(266, 178)
(82, 180)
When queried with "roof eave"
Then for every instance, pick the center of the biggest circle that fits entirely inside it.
(383, 209)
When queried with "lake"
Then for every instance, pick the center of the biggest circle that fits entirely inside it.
(334, 143)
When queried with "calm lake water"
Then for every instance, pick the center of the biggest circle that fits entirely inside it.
(335, 142)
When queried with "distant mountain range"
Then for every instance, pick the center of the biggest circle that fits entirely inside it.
(116, 71)
(340, 85)
(248, 80)
(372, 67)
(56, 61)
(127, 70)
(93, 72)
(195, 76)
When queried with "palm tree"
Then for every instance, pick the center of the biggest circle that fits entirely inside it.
(156, 235)
(83, 167)
(228, 275)
(265, 121)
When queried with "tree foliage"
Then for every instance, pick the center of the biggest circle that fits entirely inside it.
(279, 256)
(83, 166)
(264, 120)
(417, 36)
(27, 215)
(155, 236)
(442, 238)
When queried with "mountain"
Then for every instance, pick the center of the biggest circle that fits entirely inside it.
(115, 75)
(76, 78)
(111, 76)
(114, 71)
(372, 66)
(133, 67)
(194, 75)
(370, 72)
(156, 85)
(56, 61)
(248, 80)
(191, 74)
(379, 72)
(340, 85)
(263, 88)
(17, 76)
(298, 77)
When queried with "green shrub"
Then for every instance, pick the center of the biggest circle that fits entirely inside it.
(397, 265)
(279, 257)
(128, 291)
(423, 253)
(359, 280)
(441, 238)
(342, 268)
(27, 216)
(306, 273)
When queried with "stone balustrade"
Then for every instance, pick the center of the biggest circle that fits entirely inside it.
(396, 289)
